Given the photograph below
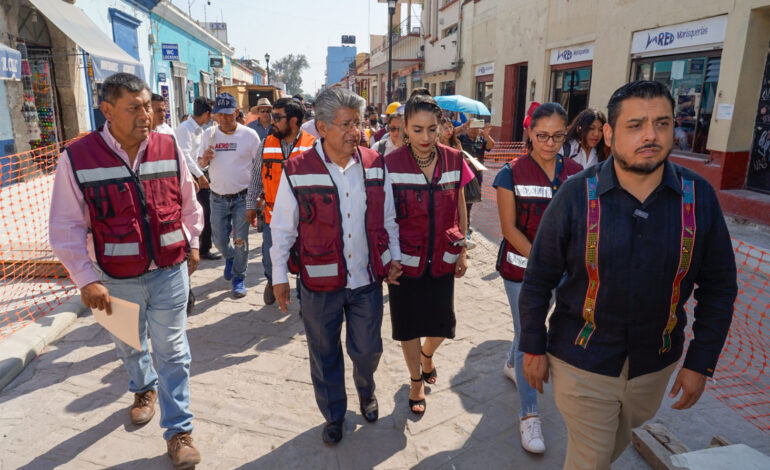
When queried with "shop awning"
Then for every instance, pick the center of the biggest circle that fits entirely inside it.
(10, 63)
(106, 56)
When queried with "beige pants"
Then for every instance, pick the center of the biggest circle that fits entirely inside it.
(600, 411)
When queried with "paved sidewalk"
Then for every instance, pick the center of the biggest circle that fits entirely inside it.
(254, 404)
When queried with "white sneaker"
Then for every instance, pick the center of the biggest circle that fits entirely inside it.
(510, 372)
(532, 434)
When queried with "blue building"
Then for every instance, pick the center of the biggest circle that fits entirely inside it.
(338, 59)
(188, 61)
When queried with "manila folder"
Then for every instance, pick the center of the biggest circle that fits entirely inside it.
(123, 323)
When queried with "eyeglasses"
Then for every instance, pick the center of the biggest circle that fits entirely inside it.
(394, 129)
(348, 125)
(264, 111)
(557, 138)
(278, 117)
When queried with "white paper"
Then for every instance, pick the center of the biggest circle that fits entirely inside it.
(737, 456)
(725, 111)
(677, 70)
(477, 165)
(123, 323)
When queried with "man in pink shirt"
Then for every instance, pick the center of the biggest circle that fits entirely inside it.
(125, 223)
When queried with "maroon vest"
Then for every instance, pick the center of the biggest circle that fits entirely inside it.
(533, 193)
(135, 217)
(428, 221)
(317, 253)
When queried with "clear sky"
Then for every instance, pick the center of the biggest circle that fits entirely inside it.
(283, 27)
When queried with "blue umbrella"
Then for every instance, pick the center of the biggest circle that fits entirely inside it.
(462, 104)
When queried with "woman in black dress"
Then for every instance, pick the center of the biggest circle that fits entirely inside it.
(427, 179)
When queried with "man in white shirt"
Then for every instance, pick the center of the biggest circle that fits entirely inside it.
(228, 151)
(159, 115)
(188, 136)
(347, 236)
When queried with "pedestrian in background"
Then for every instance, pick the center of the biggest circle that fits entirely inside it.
(261, 124)
(336, 203)
(524, 188)
(430, 205)
(188, 135)
(285, 141)
(448, 134)
(159, 124)
(634, 234)
(477, 142)
(228, 152)
(124, 194)
(585, 138)
(394, 138)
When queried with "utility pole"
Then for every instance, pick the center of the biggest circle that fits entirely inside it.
(391, 11)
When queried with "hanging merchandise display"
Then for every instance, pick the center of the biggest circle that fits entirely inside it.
(42, 86)
(28, 108)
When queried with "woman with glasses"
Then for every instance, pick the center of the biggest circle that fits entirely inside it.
(585, 138)
(427, 180)
(448, 135)
(393, 139)
(524, 187)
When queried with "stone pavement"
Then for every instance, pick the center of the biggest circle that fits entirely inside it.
(254, 404)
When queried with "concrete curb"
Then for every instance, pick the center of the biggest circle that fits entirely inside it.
(20, 348)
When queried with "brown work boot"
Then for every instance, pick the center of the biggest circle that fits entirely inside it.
(143, 408)
(182, 452)
(268, 296)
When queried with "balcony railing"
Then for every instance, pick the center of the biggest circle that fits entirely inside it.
(400, 31)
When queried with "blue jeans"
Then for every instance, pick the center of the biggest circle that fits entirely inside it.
(322, 314)
(162, 298)
(527, 394)
(267, 242)
(228, 215)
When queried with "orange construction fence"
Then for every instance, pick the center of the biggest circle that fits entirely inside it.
(33, 282)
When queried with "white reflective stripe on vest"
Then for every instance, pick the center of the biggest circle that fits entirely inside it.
(272, 150)
(170, 238)
(449, 258)
(385, 257)
(101, 174)
(544, 192)
(299, 181)
(450, 177)
(121, 249)
(162, 166)
(302, 149)
(516, 260)
(321, 270)
(374, 173)
(409, 260)
(407, 178)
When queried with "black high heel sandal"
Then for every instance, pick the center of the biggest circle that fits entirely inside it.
(413, 403)
(427, 376)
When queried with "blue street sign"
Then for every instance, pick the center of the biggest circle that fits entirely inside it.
(161, 77)
(170, 51)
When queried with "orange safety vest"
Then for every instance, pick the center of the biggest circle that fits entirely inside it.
(272, 165)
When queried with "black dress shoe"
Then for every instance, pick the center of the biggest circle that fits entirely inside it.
(211, 256)
(369, 409)
(332, 432)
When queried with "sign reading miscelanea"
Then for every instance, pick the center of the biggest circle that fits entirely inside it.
(568, 55)
(694, 33)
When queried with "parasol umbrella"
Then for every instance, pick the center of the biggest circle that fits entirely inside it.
(462, 104)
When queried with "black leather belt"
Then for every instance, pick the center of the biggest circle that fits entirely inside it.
(231, 196)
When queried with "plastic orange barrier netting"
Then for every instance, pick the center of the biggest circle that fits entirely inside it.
(741, 380)
(33, 282)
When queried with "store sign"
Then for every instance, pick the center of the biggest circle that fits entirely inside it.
(170, 51)
(216, 62)
(10, 64)
(694, 33)
(167, 100)
(161, 77)
(572, 54)
(485, 69)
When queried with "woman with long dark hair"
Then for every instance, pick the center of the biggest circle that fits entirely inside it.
(585, 138)
(427, 180)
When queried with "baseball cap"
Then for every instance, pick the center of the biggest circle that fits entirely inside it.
(225, 104)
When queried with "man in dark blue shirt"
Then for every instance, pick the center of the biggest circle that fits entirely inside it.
(633, 234)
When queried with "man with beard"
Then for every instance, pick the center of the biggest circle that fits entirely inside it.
(286, 140)
(633, 234)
